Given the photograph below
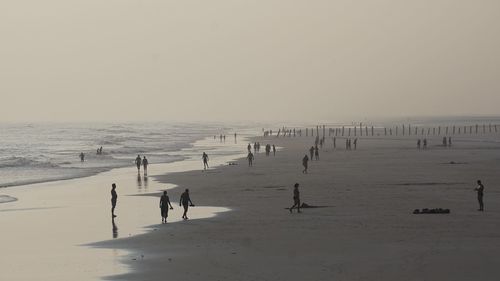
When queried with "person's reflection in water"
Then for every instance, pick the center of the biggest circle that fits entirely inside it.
(115, 228)
(145, 181)
(139, 181)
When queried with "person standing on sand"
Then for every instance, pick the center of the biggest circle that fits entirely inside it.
(480, 192)
(425, 144)
(164, 203)
(316, 153)
(311, 152)
(114, 198)
(250, 159)
(145, 165)
(82, 157)
(138, 162)
(185, 201)
(249, 148)
(296, 198)
(304, 163)
(274, 150)
(418, 143)
(205, 161)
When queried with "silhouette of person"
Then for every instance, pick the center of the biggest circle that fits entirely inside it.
(296, 198)
(185, 201)
(449, 141)
(311, 152)
(250, 159)
(145, 165)
(114, 198)
(205, 161)
(164, 203)
(274, 150)
(138, 162)
(418, 143)
(480, 192)
(304, 163)
(316, 152)
(425, 143)
(249, 148)
(355, 143)
(82, 157)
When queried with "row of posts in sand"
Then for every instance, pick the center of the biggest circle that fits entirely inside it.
(392, 131)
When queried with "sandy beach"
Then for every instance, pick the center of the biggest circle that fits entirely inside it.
(47, 228)
(365, 229)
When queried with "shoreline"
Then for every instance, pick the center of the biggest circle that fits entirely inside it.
(365, 217)
(53, 202)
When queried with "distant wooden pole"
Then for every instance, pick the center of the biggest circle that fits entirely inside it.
(360, 128)
(372, 131)
(385, 131)
(439, 130)
(349, 133)
(307, 132)
(446, 130)
(342, 130)
(403, 129)
(366, 130)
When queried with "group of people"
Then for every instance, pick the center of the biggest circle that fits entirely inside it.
(268, 149)
(349, 143)
(144, 162)
(99, 151)
(419, 144)
(165, 204)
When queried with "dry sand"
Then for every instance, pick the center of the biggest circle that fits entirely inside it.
(366, 231)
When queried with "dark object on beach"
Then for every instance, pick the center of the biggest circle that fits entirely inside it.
(431, 211)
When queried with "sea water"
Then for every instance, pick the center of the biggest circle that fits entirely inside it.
(33, 153)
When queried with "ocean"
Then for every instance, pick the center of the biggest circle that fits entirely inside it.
(34, 153)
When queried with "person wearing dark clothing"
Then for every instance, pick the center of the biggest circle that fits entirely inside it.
(164, 203)
(304, 163)
(114, 198)
(205, 161)
(82, 157)
(296, 198)
(250, 159)
(480, 192)
(274, 150)
(316, 153)
(311, 152)
(138, 162)
(185, 201)
(145, 165)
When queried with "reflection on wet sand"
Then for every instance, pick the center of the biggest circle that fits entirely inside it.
(115, 228)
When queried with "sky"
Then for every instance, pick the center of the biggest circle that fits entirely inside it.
(269, 60)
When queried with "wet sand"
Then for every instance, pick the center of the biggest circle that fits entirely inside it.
(366, 231)
(46, 232)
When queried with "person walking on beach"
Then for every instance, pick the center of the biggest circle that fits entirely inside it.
(205, 161)
(296, 198)
(164, 203)
(145, 165)
(82, 157)
(311, 152)
(418, 143)
(138, 162)
(355, 143)
(185, 201)
(114, 198)
(249, 148)
(316, 153)
(250, 159)
(305, 160)
(274, 150)
(425, 144)
(480, 192)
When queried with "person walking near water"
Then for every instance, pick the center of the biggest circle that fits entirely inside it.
(305, 160)
(82, 157)
(316, 153)
(145, 165)
(164, 203)
(114, 198)
(311, 152)
(296, 198)
(274, 150)
(185, 201)
(249, 148)
(250, 159)
(480, 192)
(138, 162)
(205, 161)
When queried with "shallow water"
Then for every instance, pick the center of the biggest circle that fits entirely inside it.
(43, 232)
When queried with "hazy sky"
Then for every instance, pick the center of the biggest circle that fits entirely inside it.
(121, 60)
